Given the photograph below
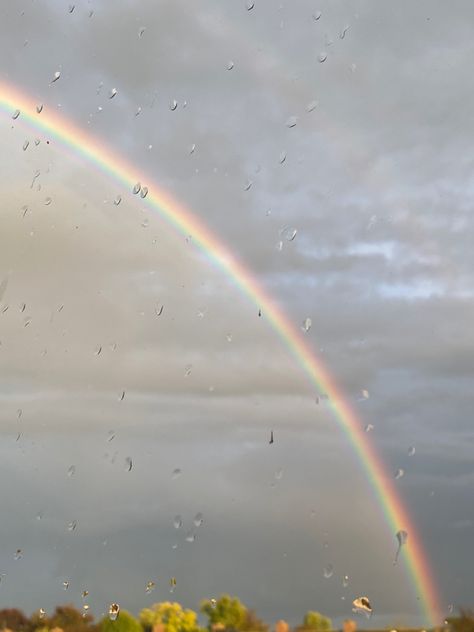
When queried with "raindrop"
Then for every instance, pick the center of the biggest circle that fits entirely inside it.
(138, 111)
(112, 93)
(399, 473)
(450, 608)
(136, 188)
(177, 522)
(369, 428)
(117, 200)
(39, 515)
(402, 537)
(192, 149)
(230, 65)
(85, 608)
(48, 201)
(328, 571)
(25, 145)
(128, 464)
(187, 370)
(291, 121)
(173, 105)
(41, 613)
(18, 554)
(345, 581)
(312, 106)
(322, 57)
(37, 141)
(173, 583)
(365, 394)
(65, 585)
(98, 350)
(282, 157)
(176, 473)
(141, 31)
(198, 519)
(229, 337)
(344, 31)
(71, 471)
(411, 450)
(85, 593)
(362, 605)
(190, 536)
(150, 586)
(247, 185)
(317, 15)
(71, 8)
(39, 108)
(306, 325)
(213, 603)
(122, 396)
(15, 114)
(288, 233)
(114, 610)
(279, 474)
(144, 192)
(111, 436)
(56, 76)
(249, 5)
(72, 525)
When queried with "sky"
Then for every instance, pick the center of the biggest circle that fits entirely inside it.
(347, 122)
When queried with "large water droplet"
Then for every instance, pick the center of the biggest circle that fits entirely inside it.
(213, 603)
(328, 571)
(450, 608)
(362, 605)
(187, 370)
(230, 65)
(249, 5)
(56, 76)
(65, 585)
(39, 108)
(114, 610)
(198, 519)
(71, 8)
(365, 393)
(173, 105)
(136, 188)
(399, 473)
(402, 537)
(41, 613)
(144, 192)
(117, 200)
(150, 586)
(190, 536)
(279, 474)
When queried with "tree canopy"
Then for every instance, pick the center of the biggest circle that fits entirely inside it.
(168, 617)
(227, 612)
(125, 622)
(316, 621)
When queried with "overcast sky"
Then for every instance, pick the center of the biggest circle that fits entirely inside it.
(349, 122)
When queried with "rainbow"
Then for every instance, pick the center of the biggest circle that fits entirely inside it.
(53, 125)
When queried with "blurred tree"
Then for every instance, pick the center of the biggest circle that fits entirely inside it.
(463, 623)
(168, 617)
(252, 623)
(13, 619)
(68, 619)
(226, 613)
(316, 621)
(125, 622)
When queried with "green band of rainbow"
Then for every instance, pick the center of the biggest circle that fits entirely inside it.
(89, 148)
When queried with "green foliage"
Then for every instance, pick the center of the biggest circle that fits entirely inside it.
(125, 622)
(227, 613)
(169, 617)
(316, 621)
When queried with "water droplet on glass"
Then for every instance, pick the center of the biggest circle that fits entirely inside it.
(402, 537)
(279, 474)
(15, 114)
(141, 31)
(230, 65)
(343, 32)
(213, 603)
(362, 605)
(173, 583)
(322, 57)
(369, 428)
(317, 15)
(114, 610)
(198, 519)
(450, 608)
(56, 76)
(176, 473)
(345, 581)
(291, 121)
(111, 435)
(41, 613)
(288, 233)
(128, 464)
(174, 547)
(282, 157)
(71, 8)
(39, 515)
(71, 471)
(48, 201)
(112, 93)
(39, 108)
(25, 145)
(144, 192)
(190, 536)
(249, 5)
(247, 185)
(72, 525)
(65, 585)
(136, 188)
(411, 450)
(365, 393)
(192, 149)
(150, 586)
(399, 473)
(177, 522)
(173, 105)
(18, 554)
(328, 571)
(187, 370)
(85, 593)
(306, 325)
(117, 200)
(37, 142)
(98, 350)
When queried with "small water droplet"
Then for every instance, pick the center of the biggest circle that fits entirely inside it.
(187, 370)
(177, 522)
(365, 393)
(39, 515)
(399, 473)
(117, 200)
(306, 326)
(402, 537)
(71, 8)
(312, 106)
(15, 114)
(112, 93)
(317, 15)
(98, 350)
(450, 608)
(128, 464)
(65, 585)
(48, 201)
(192, 149)
(114, 610)
(291, 121)
(249, 5)
(345, 581)
(72, 525)
(173, 105)
(141, 31)
(85, 593)
(71, 471)
(328, 571)
(229, 337)
(56, 76)
(150, 586)
(136, 189)
(18, 554)
(288, 233)
(322, 57)
(369, 428)
(198, 519)
(279, 474)
(173, 583)
(282, 157)
(344, 31)
(411, 450)
(144, 192)
(41, 613)
(190, 536)
(37, 142)
(247, 185)
(26, 145)
(176, 473)
(213, 603)
(230, 65)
